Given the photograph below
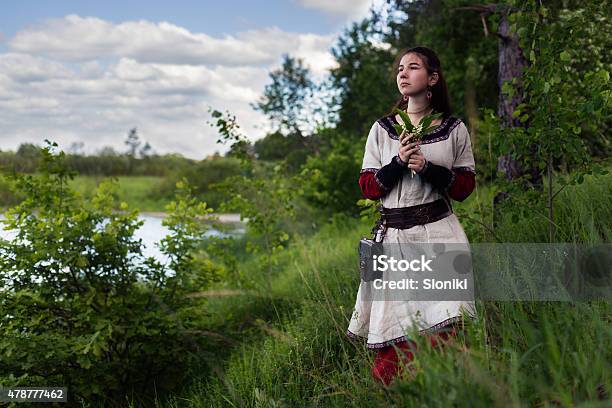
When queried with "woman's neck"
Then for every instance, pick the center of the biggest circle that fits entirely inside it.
(418, 104)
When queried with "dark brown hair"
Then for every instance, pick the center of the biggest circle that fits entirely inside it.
(440, 101)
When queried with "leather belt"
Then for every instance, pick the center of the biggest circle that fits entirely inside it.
(407, 217)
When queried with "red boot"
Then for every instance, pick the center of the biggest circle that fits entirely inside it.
(442, 337)
(387, 363)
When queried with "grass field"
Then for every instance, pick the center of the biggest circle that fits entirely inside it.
(282, 341)
(286, 347)
(137, 191)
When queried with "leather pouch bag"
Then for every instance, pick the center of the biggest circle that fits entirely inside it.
(368, 247)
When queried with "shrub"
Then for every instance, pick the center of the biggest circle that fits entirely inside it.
(81, 307)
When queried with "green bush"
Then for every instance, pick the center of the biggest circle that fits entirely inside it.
(6, 196)
(331, 181)
(80, 305)
(202, 176)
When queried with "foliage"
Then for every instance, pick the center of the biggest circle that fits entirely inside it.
(6, 196)
(229, 132)
(81, 306)
(419, 130)
(369, 210)
(284, 100)
(265, 202)
(515, 353)
(330, 180)
(106, 162)
(468, 52)
(566, 94)
(275, 147)
(363, 77)
(262, 195)
(202, 176)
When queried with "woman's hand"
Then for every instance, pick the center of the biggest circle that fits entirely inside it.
(411, 154)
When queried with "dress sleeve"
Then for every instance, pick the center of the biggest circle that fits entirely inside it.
(376, 180)
(464, 166)
(372, 155)
(464, 158)
(460, 180)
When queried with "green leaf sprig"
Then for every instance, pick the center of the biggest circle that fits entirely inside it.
(410, 133)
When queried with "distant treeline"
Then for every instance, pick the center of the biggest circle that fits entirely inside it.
(107, 162)
(201, 174)
(293, 148)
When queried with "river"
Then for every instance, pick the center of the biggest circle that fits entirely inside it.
(152, 231)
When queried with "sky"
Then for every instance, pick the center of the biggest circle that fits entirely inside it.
(87, 72)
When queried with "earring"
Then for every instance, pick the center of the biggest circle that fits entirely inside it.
(428, 92)
(405, 97)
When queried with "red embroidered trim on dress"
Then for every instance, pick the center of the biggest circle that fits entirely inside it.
(429, 330)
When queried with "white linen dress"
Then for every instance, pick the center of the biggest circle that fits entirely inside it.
(387, 322)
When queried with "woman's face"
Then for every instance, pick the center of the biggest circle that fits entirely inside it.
(412, 77)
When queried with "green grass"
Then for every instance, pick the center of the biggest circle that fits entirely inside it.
(295, 353)
(283, 343)
(135, 190)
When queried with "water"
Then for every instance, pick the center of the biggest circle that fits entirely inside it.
(150, 232)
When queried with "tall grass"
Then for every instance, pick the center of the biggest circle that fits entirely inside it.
(514, 354)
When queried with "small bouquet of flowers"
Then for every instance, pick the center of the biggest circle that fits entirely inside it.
(410, 133)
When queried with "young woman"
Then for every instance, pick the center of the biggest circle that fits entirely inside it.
(416, 209)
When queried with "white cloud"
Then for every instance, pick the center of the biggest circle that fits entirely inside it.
(158, 77)
(348, 9)
(162, 42)
(27, 68)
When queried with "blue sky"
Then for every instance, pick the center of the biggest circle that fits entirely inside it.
(212, 17)
(85, 72)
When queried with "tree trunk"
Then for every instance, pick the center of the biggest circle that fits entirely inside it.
(512, 64)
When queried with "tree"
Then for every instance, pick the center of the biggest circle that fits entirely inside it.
(512, 63)
(28, 151)
(284, 99)
(132, 142)
(107, 151)
(363, 79)
(566, 93)
(146, 150)
(276, 146)
(77, 148)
